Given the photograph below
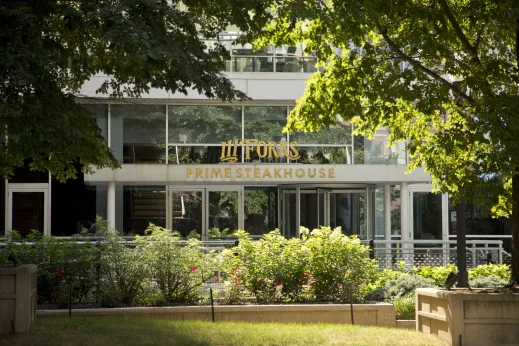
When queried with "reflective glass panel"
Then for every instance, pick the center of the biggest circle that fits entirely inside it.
(28, 212)
(260, 210)
(348, 211)
(203, 124)
(195, 154)
(143, 205)
(223, 213)
(265, 123)
(138, 133)
(339, 133)
(323, 155)
(427, 215)
(186, 208)
(296, 64)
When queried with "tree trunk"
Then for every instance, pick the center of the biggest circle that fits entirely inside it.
(461, 246)
(514, 279)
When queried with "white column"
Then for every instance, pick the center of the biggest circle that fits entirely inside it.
(387, 215)
(404, 221)
(110, 204)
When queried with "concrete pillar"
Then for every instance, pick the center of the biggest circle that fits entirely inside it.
(387, 215)
(110, 204)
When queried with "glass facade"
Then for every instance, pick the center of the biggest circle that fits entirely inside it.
(138, 133)
(194, 134)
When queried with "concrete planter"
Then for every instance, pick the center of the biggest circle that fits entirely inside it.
(364, 314)
(465, 318)
(17, 298)
(406, 324)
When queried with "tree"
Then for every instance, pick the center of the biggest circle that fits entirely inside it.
(441, 74)
(49, 49)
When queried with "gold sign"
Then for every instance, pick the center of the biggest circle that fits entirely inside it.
(263, 149)
(235, 172)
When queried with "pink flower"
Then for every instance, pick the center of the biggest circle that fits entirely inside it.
(237, 279)
(170, 284)
(275, 283)
(193, 268)
(217, 278)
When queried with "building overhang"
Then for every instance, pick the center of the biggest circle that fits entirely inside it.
(256, 174)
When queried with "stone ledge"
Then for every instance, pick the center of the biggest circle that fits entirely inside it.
(364, 314)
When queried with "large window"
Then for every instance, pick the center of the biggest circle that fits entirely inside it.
(138, 133)
(194, 135)
(143, 205)
(247, 58)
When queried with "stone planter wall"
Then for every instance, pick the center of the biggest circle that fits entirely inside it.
(364, 314)
(17, 298)
(465, 318)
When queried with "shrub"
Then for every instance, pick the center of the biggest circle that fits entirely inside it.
(272, 269)
(405, 307)
(62, 264)
(340, 265)
(326, 266)
(438, 274)
(122, 270)
(491, 281)
(502, 271)
(405, 285)
(177, 271)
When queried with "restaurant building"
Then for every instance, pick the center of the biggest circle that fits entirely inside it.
(206, 168)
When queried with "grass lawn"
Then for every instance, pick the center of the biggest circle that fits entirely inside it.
(121, 331)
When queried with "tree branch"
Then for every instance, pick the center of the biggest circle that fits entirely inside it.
(464, 41)
(394, 47)
(478, 36)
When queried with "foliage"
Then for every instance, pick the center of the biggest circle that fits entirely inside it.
(325, 266)
(437, 273)
(61, 264)
(121, 269)
(502, 271)
(405, 307)
(178, 271)
(404, 285)
(441, 76)
(57, 46)
(215, 232)
(490, 281)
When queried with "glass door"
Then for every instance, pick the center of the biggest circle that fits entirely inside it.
(426, 215)
(224, 212)
(187, 212)
(205, 213)
(349, 210)
(28, 209)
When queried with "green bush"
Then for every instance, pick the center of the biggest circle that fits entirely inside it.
(438, 274)
(177, 271)
(405, 307)
(491, 281)
(61, 264)
(502, 271)
(404, 285)
(272, 269)
(122, 271)
(326, 266)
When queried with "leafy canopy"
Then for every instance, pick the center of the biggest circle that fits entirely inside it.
(440, 74)
(51, 48)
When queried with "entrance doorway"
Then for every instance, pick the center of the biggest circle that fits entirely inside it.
(348, 208)
(428, 216)
(206, 213)
(28, 208)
